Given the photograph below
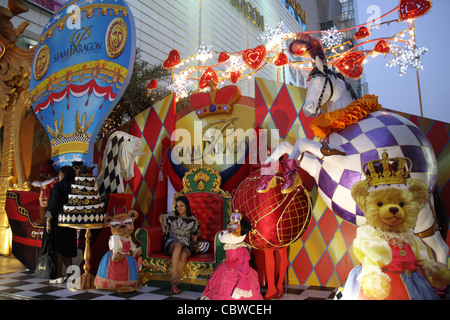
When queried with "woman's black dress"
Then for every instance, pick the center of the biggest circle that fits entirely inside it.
(63, 239)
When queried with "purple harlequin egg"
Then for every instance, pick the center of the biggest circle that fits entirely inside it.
(366, 141)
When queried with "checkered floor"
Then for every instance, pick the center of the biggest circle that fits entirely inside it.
(23, 285)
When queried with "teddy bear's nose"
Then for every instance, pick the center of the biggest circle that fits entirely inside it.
(393, 210)
(123, 226)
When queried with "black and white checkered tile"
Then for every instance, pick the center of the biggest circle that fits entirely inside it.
(23, 285)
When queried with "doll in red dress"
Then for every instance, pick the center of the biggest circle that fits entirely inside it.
(234, 278)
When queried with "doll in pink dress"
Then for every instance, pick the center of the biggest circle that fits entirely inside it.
(234, 278)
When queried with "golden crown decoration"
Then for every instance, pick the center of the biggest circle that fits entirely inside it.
(387, 170)
(201, 178)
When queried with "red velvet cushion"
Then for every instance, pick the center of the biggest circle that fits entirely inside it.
(208, 209)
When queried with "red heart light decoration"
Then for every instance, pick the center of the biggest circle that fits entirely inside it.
(411, 9)
(254, 57)
(208, 76)
(234, 76)
(351, 64)
(382, 47)
(224, 56)
(173, 59)
(281, 60)
(152, 85)
(362, 33)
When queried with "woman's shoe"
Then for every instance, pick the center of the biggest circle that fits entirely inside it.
(174, 286)
(268, 179)
(174, 289)
(291, 177)
(59, 280)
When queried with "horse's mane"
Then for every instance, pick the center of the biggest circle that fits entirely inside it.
(306, 42)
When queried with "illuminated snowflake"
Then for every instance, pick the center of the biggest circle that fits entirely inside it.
(332, 38)
(407, 57)
(273, 37)
(181, 84)
(204, 52)
(234, 63)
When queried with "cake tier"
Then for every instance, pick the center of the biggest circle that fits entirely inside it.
(91, 209)
(82, 219)
(85, 181)
(83, 200)
(83, 190)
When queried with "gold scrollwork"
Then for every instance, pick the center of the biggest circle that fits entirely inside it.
(200, 175)
(201, 178)
(194, 270)
(158, 265)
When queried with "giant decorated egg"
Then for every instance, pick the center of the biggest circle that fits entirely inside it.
(82, 65)
(277, 219)
(366, 141)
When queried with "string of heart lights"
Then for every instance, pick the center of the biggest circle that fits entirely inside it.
(345, 57)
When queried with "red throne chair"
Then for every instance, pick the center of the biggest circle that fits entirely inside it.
(22, 209)
(211, 206)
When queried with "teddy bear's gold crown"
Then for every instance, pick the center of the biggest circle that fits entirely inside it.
(387, 170)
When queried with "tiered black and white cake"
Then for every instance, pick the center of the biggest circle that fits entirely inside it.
(84, 206)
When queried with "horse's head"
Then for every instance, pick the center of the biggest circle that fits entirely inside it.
(319, 92)
(327, 91)
(128, 151)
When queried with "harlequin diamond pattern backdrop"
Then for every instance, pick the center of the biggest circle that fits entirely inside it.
(152, 126)
(323, 256)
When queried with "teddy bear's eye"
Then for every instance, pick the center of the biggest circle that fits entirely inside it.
(402, 204)
(380, 204)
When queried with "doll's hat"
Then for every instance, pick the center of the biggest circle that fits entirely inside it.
(47, 168)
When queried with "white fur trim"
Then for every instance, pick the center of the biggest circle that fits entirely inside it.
(228, 246)
(239, 293)
(372, 270)
(388, 186)
(226, 237)
(41, 184)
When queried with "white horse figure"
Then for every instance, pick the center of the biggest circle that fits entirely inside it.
(118, 162)
(335, 162)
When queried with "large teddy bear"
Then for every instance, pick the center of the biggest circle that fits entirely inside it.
(234, 278)
(118, 269)
(395, 264)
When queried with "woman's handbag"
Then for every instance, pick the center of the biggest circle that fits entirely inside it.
(46, 264)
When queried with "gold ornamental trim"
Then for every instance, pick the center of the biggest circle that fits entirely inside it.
(200, 178)
(84, 191)
(82, 225)
(161, 269)
(89, 9)
(42, 62)
(70, 147)
(99, 69)
(83, 201)
(116, 37)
